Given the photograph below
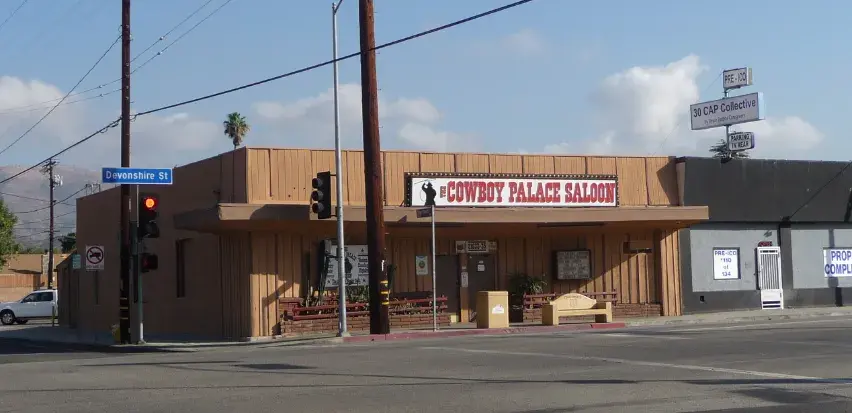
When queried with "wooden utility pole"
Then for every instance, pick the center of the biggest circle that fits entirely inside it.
(379, 298)
(52, 182)
(124, 286)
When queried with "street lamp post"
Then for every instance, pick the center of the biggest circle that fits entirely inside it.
(338, 165)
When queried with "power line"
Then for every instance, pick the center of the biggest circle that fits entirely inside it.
(58, 202)
(22, 109)
(36, 221)
(347, 57)
(14, 12)
(160, 39)
(66, 96)
(316, 66)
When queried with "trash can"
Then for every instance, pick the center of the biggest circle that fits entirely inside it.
(492, 309)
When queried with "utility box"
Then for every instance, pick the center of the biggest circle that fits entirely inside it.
(492, 309)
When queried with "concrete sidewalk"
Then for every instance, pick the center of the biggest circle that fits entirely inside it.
(743, 316)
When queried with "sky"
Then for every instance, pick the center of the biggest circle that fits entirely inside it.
(550, 76)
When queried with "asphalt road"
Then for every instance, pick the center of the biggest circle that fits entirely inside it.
(777, 367)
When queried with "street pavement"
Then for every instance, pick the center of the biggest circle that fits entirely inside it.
(776, 366)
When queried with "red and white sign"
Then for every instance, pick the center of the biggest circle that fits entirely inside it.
(512, 192)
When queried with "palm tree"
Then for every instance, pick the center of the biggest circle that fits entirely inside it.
(720, 150)
(236, 128)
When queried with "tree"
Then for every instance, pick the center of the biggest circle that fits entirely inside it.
(8, 244)
(720, 150)
(236, 128)
(68, 242)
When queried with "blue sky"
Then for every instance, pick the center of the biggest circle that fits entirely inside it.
(549, 76)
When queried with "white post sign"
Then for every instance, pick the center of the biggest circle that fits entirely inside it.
(94, 257)
(740, 141)
(838, 262)
(727, 111)
(736, 78)
(726, 263)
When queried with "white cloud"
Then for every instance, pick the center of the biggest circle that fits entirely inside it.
(525, 42)
(411, 122)
(644, 110)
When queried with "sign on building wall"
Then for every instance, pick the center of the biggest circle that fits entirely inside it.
(726, 263)
(518, 191)
(357, 266)
(421, 264)
(838, 262)
(573, 265)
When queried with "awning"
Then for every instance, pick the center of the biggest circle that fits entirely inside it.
(234, 216)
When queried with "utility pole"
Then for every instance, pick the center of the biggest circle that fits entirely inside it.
(53, 181)
(379, 291)
(124, 287)
(338, 165)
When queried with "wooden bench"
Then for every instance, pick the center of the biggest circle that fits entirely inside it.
(575, 305)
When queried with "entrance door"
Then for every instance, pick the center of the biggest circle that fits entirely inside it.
(769, 277)
(481, 277)
(447, 281)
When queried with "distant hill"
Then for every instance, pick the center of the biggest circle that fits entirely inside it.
(28, 194)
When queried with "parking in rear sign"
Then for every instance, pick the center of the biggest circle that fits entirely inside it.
(137, 176)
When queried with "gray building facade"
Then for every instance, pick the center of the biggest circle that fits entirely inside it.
(779, 234)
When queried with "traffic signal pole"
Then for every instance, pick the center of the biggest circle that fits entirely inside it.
(137, 276)
(125, 207)
(379, 288)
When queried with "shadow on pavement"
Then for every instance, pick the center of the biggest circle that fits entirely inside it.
(21, 346)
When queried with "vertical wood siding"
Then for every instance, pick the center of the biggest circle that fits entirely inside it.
(284, 175)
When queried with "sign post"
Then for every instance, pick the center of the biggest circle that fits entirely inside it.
(136, 177)
(422, 213)
(731, 110)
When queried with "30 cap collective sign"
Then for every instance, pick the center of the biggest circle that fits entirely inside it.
(483, 190)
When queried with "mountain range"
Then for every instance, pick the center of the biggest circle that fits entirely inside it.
(28, 197)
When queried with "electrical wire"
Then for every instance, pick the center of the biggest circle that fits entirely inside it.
(36, 221)
(66, 96)
(347, 57)
(57, 202)
(22, 109)
(382, 46)
(156, 42)
(14, 12)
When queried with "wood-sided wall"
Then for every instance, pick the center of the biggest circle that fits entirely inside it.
(285, 264)
(284, 175)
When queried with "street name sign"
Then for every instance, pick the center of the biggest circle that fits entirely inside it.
(736, 78)
(137, 176)
(727, 111)
(740, 141)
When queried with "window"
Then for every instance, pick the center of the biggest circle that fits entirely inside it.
(45, 296)
(30, 298)
(180, 271)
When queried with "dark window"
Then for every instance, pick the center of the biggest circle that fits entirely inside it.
(30, 298)
(180, 271)
(45, 296)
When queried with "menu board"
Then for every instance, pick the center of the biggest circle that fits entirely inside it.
(573, 265)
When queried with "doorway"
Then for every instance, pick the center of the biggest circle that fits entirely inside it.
(482, 272)
(447, 281)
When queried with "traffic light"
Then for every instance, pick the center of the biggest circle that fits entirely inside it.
(321, 196)
(148, 262)
(148, 206)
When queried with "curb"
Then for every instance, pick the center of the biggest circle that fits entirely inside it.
(480, 332)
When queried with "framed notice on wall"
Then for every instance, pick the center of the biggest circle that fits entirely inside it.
(726, 263)
(573, 265)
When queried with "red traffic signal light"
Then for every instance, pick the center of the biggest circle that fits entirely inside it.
(148, 262)
(149, 202)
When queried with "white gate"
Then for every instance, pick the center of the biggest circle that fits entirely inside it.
(769, 277)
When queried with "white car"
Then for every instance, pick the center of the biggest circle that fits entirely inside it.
(37, 304)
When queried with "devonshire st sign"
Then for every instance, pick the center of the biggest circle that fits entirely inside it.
(501, 190)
